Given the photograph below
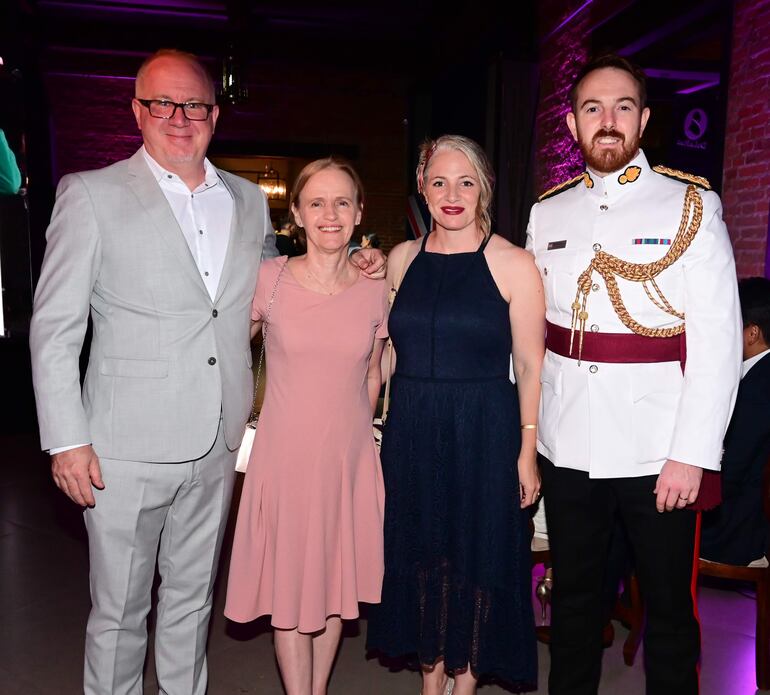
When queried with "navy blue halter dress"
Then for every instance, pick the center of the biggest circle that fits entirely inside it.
(457, 561)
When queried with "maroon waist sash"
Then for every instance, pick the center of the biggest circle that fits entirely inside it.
(614, 347)
(628, 348)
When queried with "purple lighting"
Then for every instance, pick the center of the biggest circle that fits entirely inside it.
(698, 87)
(563, 51)
(568, 19)
(681, 74)
(182, 9)
(767, 247)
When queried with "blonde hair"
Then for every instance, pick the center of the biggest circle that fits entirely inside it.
(180, 55)
(478, 160)
(313, 168)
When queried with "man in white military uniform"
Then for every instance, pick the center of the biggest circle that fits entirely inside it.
(630, 256)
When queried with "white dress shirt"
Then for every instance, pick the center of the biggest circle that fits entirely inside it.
(749, 363)
(204, 216)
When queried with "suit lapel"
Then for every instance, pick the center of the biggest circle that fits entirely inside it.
(149, 195)
(236, 233)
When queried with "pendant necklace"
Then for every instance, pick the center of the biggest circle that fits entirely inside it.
(312, 276)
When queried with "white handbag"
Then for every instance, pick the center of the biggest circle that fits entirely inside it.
(244, 450)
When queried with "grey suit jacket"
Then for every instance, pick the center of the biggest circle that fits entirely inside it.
(165, 359)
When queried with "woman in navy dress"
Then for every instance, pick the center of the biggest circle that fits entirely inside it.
(458, 453)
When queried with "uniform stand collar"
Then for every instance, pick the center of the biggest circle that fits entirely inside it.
(618, 182)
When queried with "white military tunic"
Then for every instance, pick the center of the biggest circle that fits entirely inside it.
(624, 420)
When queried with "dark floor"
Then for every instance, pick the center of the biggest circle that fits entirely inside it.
(44, 605)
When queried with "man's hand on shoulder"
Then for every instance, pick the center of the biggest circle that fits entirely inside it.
(371, 262)
(75, 471)
(677, 485)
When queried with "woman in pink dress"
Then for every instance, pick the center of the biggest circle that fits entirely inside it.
(308, 541)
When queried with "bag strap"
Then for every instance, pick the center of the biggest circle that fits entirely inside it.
(392, 298)
(265, 325)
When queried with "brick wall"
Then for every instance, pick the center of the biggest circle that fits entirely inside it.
(746, 188)
(561, 55)
(92, 126)
(91, 121)
(356, 107)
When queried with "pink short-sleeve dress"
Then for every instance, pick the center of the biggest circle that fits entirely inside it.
(308, 540)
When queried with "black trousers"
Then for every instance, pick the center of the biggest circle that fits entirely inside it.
(581, 514)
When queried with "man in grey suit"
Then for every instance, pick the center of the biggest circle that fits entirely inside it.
(163, 249)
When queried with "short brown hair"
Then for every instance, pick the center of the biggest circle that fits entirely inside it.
(313, 168)
(610, 60)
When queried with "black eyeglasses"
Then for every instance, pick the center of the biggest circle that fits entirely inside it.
(163, 108)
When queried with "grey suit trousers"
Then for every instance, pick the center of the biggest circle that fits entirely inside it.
(179, 511)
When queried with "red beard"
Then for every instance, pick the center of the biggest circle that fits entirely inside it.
(607, 161)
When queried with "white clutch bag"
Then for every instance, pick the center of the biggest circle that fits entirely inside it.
(244, 450)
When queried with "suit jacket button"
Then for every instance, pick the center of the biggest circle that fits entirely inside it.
(215, 313)
(212, 360)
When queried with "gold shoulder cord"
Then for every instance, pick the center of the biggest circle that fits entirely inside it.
(609, 267)
(569, 183)
(683, 176)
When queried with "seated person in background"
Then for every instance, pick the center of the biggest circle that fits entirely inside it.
(10, 176)
(284, 240)
(736, 533)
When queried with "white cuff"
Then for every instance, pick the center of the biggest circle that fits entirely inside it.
(59, 449)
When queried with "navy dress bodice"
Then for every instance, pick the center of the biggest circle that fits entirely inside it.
(449, 320)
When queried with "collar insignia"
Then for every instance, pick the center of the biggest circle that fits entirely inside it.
(629, 175)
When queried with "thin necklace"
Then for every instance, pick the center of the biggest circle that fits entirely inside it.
(312, 276)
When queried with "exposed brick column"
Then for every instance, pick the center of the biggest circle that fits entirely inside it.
(91, 121)
(561, 56)
(746, 189)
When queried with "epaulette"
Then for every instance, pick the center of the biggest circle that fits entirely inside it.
(565, 185)
(683, 176)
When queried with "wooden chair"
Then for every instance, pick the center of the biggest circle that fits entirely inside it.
(760, 576)
(632, 616)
